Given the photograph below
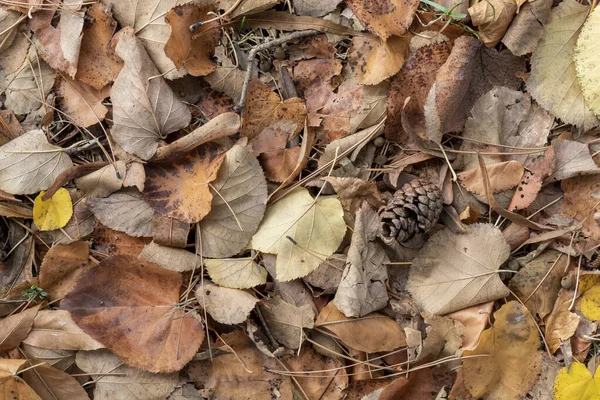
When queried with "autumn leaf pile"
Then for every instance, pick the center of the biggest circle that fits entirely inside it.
(191, 199)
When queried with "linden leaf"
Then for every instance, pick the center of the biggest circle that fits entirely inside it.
(587, 59)
(237, 273)
(577, 384)
(302, 232)
(53, 213)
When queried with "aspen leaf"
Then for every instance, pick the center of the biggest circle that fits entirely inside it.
(589, 287)
(316, 228)
(54, 213)
(586, 59)
(237, 273)
(577, 383)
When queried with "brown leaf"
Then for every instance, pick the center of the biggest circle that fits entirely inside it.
(581, 202)
(527, 27)
(374, 60)
(493, 17)
(15, 328)
(287, 321)
(474, 319)
(125, 211)
(82, 103)
(11, 386)
(317, 46)
(516, 361)
(370, 334)
(59, 359)
(61, 267)
(60, 44)
(80, 226)
(419, 386)
(328, 275)
(179, 187)
(227, 78)
(109, 242)
(313, 82)
(98, 64)
(561, 324)
(352, 192)
(264, 107)
(289, 22)
(15, 210)
(145, 109)
(193, 50)
(55, 330)
(168, 231)
(503, 176)
(51, 383)
(385, 18)
(279, 165)
(532, 181)
(134, 315)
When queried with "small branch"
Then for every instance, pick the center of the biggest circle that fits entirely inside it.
(264, 46)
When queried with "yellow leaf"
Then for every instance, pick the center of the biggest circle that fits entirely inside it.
(577, 384)
(54, 213)
(589, 286)
(587, 59)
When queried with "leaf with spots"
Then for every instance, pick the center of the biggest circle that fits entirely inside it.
(385, 18)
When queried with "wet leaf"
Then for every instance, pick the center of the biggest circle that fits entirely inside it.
(53, 213)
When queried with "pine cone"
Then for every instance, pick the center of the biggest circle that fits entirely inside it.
(413, 210)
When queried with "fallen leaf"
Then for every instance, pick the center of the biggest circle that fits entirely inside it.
(59, 43)
(15, 210)
(576, 382)
(581, 202)
(15, 328)
(170, 258)
(82, 103)
(53, 213)
(475, 320)
(374, 60)
(328, 275)
(314, 8)
(9, 21)
(585, 61)
(572, 159)
(385, 18)
(13, 386)
(134, 315)
(109, 242)
(544, 387)
(179, 187)
(236, 273)
(362, 289)
(227, 78)
(27, 87)
(444, 338)
(453, 271)
(103, 182)
(493, 18)
(371, 334)
(248, 7)
(14, 55)
(561, 324)
(532, 181)
(80, 226)
(55, 330)
(419, 386)
(264, 107)
(60, 359)
(193, 50)
(546, 270)
(135, 176)
(124, 211)
(503, 176)
(553, 81)
(52, 383)
(98, 64)
(353, 191)
(61, 267)
(23, 159)
(144, 110)
(589, 288)
(225, 305)
(515, 360)
(315, 227)
(287, 321)
(527, 27)
(113, 379)
(171, 232)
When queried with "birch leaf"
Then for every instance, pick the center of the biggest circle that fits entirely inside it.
(587, 59)
(53, 213)
(237, 273)
(316, 228)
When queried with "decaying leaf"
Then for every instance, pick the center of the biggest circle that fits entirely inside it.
(527, 27)
(11, 385)
(124, 211)
(572, 159)
(128, 306)
(353, 191)
(227, 78)
(237, 273)
(300, 230)
(454, 271)
(493, 18)
(533, 178)
(23, 159)
(80, 226)
(179, 187)
(109, 242)
(362, 289)
(561, 324)
(385, 18)
(225, 305)
(237, 206)
(586, 60)
(371, 334)
(374, 60)
(170, 258)
(61, 267)
(52, 383)
(145, 109)
(576, 382)
(82, 103)
(503, 176)
(581, 202)
(53, 213)
(515, 360)
(553, 82)
(287, 321)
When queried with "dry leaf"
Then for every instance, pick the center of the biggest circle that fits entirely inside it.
(59, 359)
(572, 159)
(328, 275)
(98, 64)
(527, 27)
(104, 181)
(124, 211)
(82, 103)
(192, 50)
(61, 267)
(314, 226)
(225, 305)
(52, 383)
(374, 60)
(353, 191)
(503, 176)
(53, 213)
(170, 258)
(56, 330)
(386, 17)
(11, 386)
(444, 338)
(582, 194)
(15, 328)
(553, 81)
(561, 324)
(586, 59)
(144, 110)
(475, 320)
(115, 380)
(237, 273)
(454, 271)
(493, 18)
(135, 176)
(532, 181)
(15, 210)
(79, 226)
(371, 334)
(227, 78)
(23, 159)
(128, 306)
(362, 289)
(516, 361)
(589, 289)
(287, 321)
(13, 56)
(9, 22)
(170, 232)
(264, 107)
(576, 383)
(314, 8)
(109, 242)
(179, 187)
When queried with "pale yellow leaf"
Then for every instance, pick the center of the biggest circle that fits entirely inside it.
(237, 273)
(587, 60)
(225, 305)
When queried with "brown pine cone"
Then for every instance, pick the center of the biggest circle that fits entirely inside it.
(413, 210)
